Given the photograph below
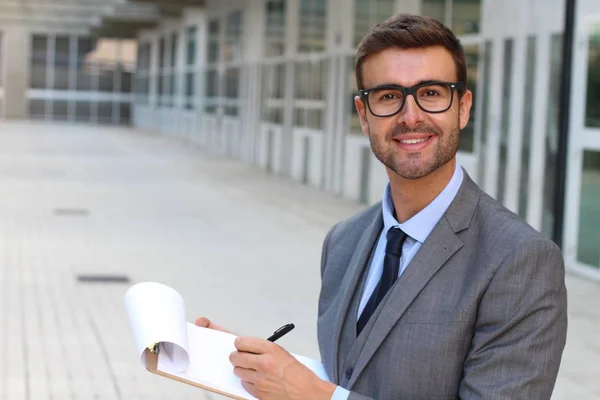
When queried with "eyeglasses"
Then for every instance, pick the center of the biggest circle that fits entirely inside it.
(432, 97)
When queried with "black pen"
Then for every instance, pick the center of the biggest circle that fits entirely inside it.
(280, 332)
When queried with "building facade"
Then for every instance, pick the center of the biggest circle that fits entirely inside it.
(271, 82)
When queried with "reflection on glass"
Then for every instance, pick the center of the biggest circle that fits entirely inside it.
(37, 108)
(588, 251)
(505, 126)
(1, 58)
(310, 80)
(312, 25)
(190, 57)
(368, 13)
(232, 51)
(212, 47)
(61, 63)
(435, 9)
(174, 44)
(83, 111)
(275, 28)
(273, 82)
(39, 61)
(85, 68)
(59, 110)
(124, 113)
(592, 115)
(485, 106)
(552, 135)
(467, 135)
(211, 90)
(527, 125)
(190, 79)
(232, 83)
(105, 112)
(355, 127)
(466, 16)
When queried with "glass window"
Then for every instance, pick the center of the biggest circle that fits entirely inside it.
(37, 108)
(313, 17)
(190, 58)
(85, 67)
(212, 48)
(467, 135)
(435, 9)
(485, 105)
(232, 91)
(592, 116)
(552, 115)
(273, 82)
(310, 80)
(83, 111)
(61, 63)
(355, 127)
(527, 124)
(124, 113)
(39, 63)
(174, 44)
(463, 16)
(309, 93)
(211, 85)
(1, 64)
(368, 13)
(60, 109)
(505, 123)
(466, 15)
(162, 61)
(588, 251)
(232, 50)
(275, 28)
(190, 79)
(105, 111)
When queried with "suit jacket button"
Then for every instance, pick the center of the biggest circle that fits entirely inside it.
(349, 372)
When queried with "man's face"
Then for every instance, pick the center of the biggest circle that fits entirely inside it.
(413, 143)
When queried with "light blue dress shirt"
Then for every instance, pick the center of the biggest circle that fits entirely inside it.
(417, 228)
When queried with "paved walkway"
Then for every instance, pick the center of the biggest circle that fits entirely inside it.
(239, 245)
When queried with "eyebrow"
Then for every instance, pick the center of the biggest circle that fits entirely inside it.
(421, 82)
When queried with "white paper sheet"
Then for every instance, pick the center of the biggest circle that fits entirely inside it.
(157, 315)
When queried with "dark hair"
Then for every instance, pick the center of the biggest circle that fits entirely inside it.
(407, 31)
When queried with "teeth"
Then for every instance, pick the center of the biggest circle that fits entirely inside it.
(413, 141)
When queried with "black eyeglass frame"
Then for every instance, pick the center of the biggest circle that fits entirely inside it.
(454, 86)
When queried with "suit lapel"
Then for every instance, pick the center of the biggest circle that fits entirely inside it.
(441, 244)
(351, 281)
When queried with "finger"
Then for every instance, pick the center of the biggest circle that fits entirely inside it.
(244, 360)
(203, 322)
(246, 375)
(250, 388)
(253, 345)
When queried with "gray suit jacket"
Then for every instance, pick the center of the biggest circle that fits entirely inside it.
(479, 313)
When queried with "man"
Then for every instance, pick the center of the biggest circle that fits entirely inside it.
(438, 291)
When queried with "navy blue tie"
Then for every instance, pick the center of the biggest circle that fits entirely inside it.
(391, 262)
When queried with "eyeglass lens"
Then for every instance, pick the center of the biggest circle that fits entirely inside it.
(432, 98)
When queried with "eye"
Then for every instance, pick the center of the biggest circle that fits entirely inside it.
(431, 93)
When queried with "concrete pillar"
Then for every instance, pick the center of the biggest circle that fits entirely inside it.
(16, 54)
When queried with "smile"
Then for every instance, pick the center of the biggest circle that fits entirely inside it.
(413, 141)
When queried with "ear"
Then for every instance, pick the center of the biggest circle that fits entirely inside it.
(464, 111)
(361, 107)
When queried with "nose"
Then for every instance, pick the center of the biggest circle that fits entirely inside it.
(410, 115)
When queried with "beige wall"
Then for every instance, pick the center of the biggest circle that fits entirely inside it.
(15, 52)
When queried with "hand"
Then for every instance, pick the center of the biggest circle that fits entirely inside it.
(206, 323)
(269, 372)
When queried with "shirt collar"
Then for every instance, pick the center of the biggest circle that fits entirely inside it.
(421, 224)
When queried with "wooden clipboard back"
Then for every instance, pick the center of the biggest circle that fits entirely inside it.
(152, 366)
